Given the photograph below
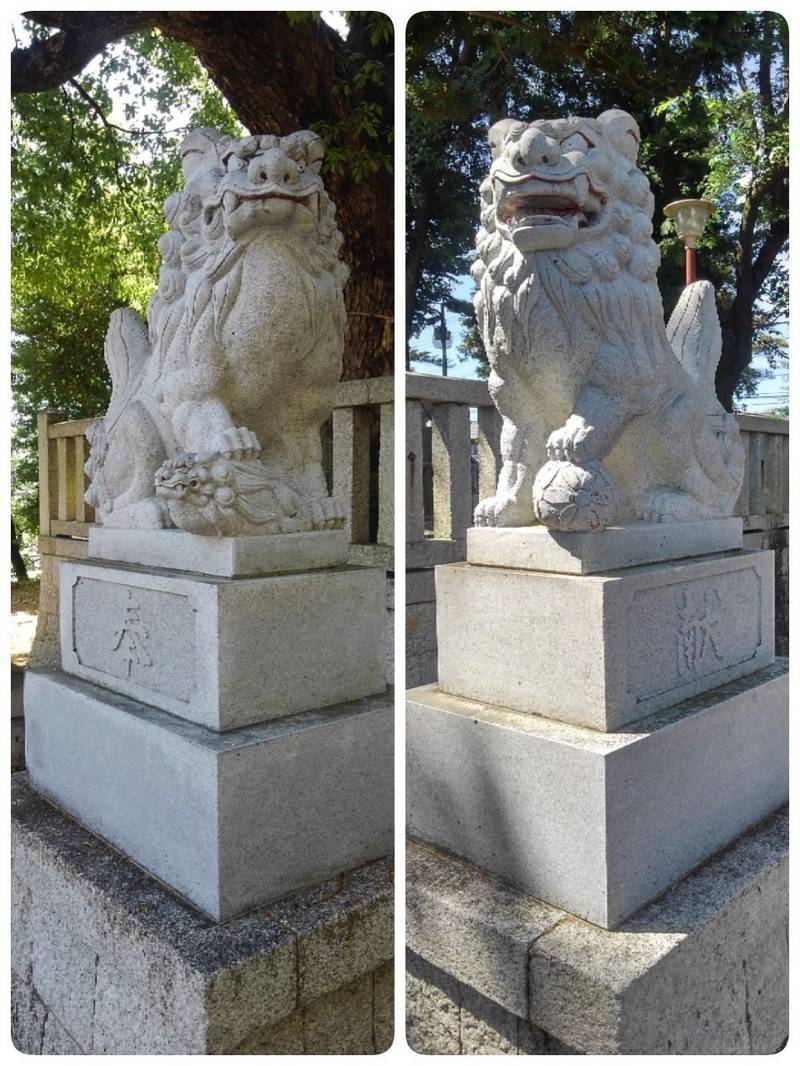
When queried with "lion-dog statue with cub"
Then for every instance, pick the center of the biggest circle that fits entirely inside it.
(582, 367)
(215, 413)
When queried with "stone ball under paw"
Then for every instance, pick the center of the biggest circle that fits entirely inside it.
(580, 498)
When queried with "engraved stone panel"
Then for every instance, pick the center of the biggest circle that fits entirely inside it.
(225, 652)
(693, 630)
(135, 646)
(603, 650)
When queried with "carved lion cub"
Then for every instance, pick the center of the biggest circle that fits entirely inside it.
(582, 368)
(243, 350)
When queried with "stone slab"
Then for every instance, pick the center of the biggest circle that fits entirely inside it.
(174, 549)
(603, 650)
(420, 586)
(596, 823)
(701, 970)
(614, 548)
(478, 930)
(433, 551)
(225, 652)
(446, 1017)
(108, 961)
(228, 820)
(380, 555)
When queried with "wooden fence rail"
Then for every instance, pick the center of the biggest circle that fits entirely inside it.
(63, 450)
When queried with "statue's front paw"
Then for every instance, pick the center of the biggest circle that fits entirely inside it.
(326, 512)
(572, 442)
(502, 510)
(240, 443)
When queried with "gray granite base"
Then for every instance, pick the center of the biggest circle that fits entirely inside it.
(565, 552)
(702, 970)
(225, 652)
(229, 820)
(107, 961)
(596, 823)
(175, 549)
(603, 650)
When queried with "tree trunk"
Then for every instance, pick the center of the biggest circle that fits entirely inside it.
(737, 345)
(17, 561)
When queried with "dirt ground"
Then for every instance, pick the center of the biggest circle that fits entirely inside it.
(24, 615)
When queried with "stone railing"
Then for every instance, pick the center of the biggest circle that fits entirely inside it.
(452, 461)
(439, 461)
(362, 463)
(359, 453)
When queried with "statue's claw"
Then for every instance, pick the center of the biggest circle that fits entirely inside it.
(502, 510)
(325, 512)
(240, 444)
(570, 443)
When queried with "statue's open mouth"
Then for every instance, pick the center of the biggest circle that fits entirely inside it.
(530, 209)
(532, 202)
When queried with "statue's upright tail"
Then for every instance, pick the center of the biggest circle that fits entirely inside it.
(695, 334)
(696, 338)
(127, 350)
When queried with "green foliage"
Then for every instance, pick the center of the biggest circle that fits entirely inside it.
(694, 81)
(86, 212)
(360, 145)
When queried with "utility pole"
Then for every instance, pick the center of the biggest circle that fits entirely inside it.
(442, 336)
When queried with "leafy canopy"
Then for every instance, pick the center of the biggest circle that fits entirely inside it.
(710, 92)
(86, 211)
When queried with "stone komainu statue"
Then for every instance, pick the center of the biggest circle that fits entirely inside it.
(215, 414)
(582, 368)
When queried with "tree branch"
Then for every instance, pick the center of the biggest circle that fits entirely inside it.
(49, 62)
(773, 245)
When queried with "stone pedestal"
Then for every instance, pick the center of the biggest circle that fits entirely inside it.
(225, 652)
(230, 734)
(596, 823)
(609, 714)
(569, 552)
(176, 549)
(603, 650)
(229, 820)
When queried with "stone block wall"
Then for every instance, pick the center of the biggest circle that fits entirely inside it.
(446, 1017)
(702, 969)
(107, 961)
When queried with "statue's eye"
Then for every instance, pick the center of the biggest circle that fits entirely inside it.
(234, 162)
(194, 483)
(576, 142)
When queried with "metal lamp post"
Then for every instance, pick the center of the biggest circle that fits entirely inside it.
(690, 217)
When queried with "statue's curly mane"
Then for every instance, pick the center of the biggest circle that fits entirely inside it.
(608, 282)
(200, 264)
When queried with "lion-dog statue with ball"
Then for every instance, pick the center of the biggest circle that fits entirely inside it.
(608, 416)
